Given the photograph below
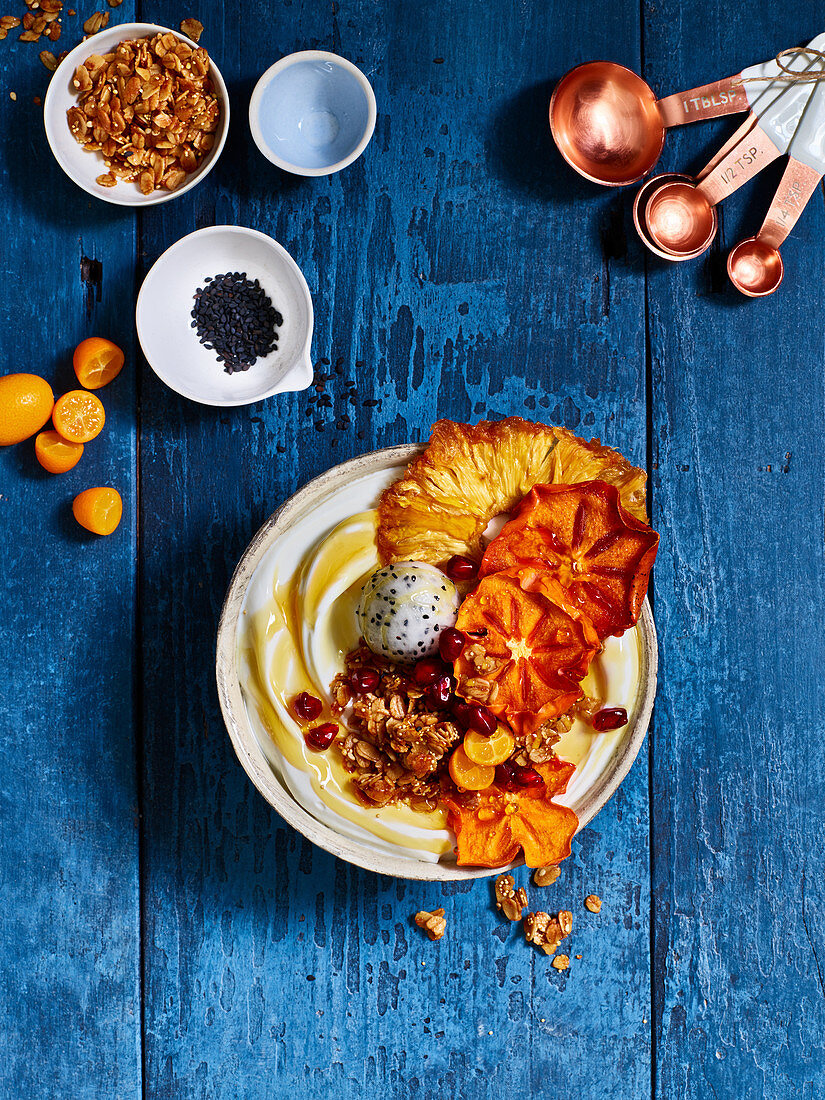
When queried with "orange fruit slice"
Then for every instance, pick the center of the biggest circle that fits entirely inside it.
(583, 537)
(98, 510)
(56, 454)
(489, 751)
(78, 416)
(539, 643)
(26, 403)
(96, 362)
(467, 774)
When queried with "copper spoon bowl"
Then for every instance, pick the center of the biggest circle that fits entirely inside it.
(755, 268)
(680, 220)
(606, 123)
(640, 214)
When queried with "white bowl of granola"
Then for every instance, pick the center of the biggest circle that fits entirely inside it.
(287, 624)
(161, 138)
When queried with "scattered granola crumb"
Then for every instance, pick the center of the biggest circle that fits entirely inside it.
(49, 60)
(547, 932)
(545, 876)
(96, 22)
(433, 923)
(593, 902)
(37, 101)
(561, 962)
(111, 3)
(511, 903)
(192, 28)
(578, 956)
(12, 95)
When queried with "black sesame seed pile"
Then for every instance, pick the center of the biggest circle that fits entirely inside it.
(234, 317)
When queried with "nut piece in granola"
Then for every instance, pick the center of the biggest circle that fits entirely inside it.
(149, 108)
(593, 902)
(433, 923)
(510, 902)
(546, 876)
(546, 932)
(561, 962)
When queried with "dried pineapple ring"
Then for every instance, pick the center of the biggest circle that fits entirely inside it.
(470, 473)
(584, 538)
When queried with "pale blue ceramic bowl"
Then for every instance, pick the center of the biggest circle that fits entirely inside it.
(312, 113)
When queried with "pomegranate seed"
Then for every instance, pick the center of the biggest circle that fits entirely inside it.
(439, 692)
(461, 711)
(461, 569)
(307, 707)
(451, 643)
(364, 680)
(527, 777)
(610, 718)
(505, 775)
(482, 720)
(426, 672)
(321, 737)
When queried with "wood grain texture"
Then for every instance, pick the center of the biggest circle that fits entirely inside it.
(739, 762)
(456, 270)
(69, 919)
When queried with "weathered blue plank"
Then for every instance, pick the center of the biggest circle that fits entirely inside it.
(739, 763)
(457, 269)
(69, 928)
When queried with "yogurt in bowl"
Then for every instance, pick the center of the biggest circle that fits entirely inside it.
(287, 624)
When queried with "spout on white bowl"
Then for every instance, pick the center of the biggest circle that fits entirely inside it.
(299, 375)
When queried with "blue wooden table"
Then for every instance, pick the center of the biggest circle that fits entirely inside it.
(162, 932)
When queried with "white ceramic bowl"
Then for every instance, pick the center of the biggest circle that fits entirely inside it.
(312, 113)
(164, 320)
(345, 490)
(84, 168)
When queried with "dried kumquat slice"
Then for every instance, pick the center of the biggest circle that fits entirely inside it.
(56, 454)
(539, 643)
(98, 510)
(97, 362)
(489, 751)
(78, 416)
(467, 774)
(586, 540)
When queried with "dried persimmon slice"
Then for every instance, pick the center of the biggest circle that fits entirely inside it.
(537, 647)
(586, 540)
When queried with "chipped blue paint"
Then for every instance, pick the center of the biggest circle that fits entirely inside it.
(203, 949)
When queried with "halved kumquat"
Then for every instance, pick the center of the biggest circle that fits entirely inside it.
(56, 454)
(467, 775)
(26, 403)
(97, 362)
(489, 751)
(98, 510)
(78, 416)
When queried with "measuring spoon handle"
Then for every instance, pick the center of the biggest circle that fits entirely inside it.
(721, 97)
(753, 153)
(796, 188)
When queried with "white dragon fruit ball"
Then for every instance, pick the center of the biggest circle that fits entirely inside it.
(403, 609)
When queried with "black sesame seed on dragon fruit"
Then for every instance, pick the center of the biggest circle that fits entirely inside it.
(404, 607)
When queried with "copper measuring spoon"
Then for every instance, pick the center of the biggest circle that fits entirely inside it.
(609, 126)
(679, 216)
(755, 265)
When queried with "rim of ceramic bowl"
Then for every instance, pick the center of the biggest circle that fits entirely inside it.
(251, 755)
(298, 371)
(103, 40)
(285, 63)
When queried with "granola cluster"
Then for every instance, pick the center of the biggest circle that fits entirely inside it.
(149, 109)
(395, 745)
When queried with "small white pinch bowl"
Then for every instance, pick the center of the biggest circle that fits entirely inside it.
(312, 113)
(84, 168)
(164, 317)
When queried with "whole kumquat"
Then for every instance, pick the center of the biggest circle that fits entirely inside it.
(97, 362)
(26, 403)
(78, 416)
(56, 454)
(98, 510)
